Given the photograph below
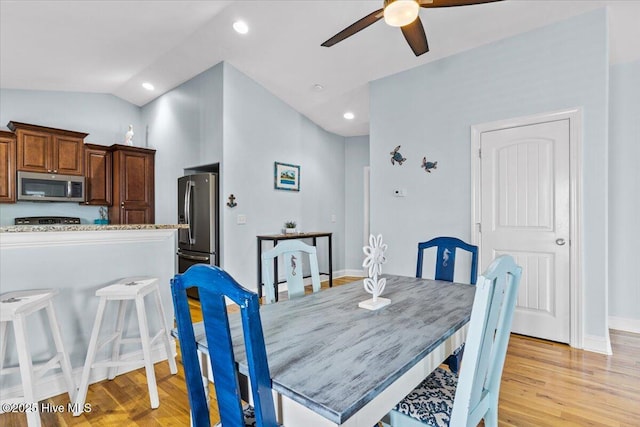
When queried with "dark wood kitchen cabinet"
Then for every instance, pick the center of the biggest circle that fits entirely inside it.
(133, 185)
(98, 175)
(7, 167)
(48, 150)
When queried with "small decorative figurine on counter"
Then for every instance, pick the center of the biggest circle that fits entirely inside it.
(128, 137)
(104, 218)
(396, 156)
(429, 165)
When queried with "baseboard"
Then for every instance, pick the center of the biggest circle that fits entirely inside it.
(54, 384)
(350, 273)
(624, 324)
(597, 344)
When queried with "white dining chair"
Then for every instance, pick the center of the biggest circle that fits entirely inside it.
(443, 398)
(291, 252)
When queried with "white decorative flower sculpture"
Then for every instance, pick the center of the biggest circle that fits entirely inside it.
(375, 287)
(373, 261)
(374, 255)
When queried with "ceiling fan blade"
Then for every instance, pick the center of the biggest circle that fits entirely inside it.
(416, 37)
(449, 3)
(355, 27)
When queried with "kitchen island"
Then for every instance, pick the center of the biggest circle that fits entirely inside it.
(77, 260)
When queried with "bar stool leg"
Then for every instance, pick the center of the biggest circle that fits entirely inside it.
(26, 370)
(3, 343)
(81, 395)
(115, 355)
(173, 368)
(63, 357)
(146, 351)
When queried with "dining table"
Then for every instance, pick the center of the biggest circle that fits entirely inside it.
(333, 363)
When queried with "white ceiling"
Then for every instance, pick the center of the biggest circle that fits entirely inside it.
(114, 46)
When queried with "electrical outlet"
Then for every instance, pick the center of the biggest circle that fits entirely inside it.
(333, 218)
(241, 219)
(400, 192)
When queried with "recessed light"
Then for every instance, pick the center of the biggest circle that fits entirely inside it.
(147, 86)
(241, 27)
(349, 115)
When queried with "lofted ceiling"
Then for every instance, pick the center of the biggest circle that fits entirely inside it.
(115, 46)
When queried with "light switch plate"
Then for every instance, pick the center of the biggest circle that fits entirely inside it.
(241, 219)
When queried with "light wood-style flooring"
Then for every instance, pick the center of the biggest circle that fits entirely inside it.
(543, 384)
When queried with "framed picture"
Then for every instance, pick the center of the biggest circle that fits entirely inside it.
(287, 177)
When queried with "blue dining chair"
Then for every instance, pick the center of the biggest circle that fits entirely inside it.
(443, 398)
(291, 252)
(213, 286)
(446, 257)
(445, 267)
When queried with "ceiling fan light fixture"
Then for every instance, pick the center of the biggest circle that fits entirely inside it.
(399, 13)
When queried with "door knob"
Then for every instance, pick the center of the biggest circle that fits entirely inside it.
(560, 242)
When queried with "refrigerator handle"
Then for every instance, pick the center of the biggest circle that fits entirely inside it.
(187, 209)
(192, 257)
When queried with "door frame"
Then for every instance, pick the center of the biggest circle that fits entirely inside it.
(574, 115)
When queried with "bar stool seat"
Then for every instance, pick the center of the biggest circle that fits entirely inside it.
(124, 291)
(14, 308)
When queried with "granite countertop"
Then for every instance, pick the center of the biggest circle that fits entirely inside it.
(87, 227)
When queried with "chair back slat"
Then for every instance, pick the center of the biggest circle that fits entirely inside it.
(486, 346)
(291, 252)
(446, 257)
(213, 286)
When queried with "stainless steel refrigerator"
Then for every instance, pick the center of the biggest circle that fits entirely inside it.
(198, 207)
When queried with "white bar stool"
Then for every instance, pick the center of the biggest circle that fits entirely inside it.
(124, 291)
(14, 308)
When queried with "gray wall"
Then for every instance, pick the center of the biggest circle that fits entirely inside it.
(429, 110)
(260, 129)
(356, 154)
(105, 118)
(185, 127)
(624, 196)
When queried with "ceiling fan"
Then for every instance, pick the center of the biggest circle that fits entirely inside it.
(403, 14)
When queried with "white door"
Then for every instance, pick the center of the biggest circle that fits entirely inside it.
(525, 212)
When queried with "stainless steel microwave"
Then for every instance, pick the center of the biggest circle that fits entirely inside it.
(47, 187)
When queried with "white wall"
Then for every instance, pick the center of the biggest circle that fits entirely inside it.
(185, 127)
(624, 196)
(356, 153)
(105, 118)
(429, 110)
(260, 129)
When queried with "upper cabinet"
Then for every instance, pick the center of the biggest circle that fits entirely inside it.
(48, 150)
(7, 167)
(133, 185)
(98, 175)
